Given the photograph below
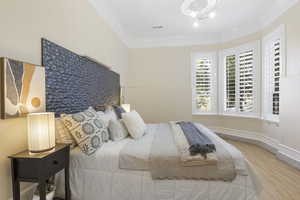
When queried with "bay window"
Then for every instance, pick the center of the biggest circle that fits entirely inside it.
(241, 83)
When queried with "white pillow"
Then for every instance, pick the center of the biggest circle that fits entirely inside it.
(107, 116)
(117, 130)
(134, 124)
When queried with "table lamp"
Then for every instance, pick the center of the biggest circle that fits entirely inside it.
(41, 132)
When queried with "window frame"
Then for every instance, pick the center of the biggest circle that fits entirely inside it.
(267, 42)
(195, 56)
(255, 46)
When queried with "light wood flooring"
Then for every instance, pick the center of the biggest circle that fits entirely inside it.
(280, 181)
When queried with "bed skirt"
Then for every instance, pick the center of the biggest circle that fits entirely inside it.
(100, 185)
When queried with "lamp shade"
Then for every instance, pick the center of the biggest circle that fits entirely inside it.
(126, 107)
(41, 132)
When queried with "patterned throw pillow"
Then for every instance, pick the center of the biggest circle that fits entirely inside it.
(62, 134)
(88, 130)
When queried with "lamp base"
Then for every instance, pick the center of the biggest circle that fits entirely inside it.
(41, 151)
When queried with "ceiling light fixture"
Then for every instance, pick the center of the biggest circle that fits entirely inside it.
(212, 15)
(199, 9)
(193, 14)
(196, 24)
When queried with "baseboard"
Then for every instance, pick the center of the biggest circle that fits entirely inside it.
(289, 155)
(27, 193)
(284, 153)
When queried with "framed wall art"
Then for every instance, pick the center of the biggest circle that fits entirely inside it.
(22, 88)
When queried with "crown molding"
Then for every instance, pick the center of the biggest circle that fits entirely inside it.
(271, 17)
(202, 39)
(107, 14)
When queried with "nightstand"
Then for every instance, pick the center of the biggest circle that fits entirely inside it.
(37, 168)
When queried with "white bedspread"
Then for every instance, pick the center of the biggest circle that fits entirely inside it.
(98, 177)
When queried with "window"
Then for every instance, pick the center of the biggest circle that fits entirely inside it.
(273, 68)
(204, 77)
(239, 75)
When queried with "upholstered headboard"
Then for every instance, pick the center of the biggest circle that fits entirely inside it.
(74, 82)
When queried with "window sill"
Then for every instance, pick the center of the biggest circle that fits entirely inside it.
(241, 116)
(226, 115)
(272, 121)
(203, 114)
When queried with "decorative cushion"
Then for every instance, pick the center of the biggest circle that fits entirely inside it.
(134, 124)
(111, 113)
(88, 130)
(62, 134)
(119, 110)
(117, 130)
(104, 117)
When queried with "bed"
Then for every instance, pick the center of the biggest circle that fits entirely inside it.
(99, 177)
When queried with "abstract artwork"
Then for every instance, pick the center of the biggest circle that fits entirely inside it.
(22, 88)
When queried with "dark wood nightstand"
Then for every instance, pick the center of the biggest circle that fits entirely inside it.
(38, 168)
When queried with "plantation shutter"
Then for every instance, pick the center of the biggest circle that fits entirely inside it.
(273, 69)
(276, 78)
(203, 85)
(246, 81)
(240, 80)
(230, 83)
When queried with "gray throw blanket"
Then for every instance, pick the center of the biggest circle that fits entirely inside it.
(199, 142)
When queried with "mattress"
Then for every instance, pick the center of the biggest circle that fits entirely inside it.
(98, 177)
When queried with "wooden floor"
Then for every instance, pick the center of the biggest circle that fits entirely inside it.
(280, 181)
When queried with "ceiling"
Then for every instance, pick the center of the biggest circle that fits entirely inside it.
(133, 20)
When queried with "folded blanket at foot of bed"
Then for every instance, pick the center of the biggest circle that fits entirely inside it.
(199, 143)
(165, 160)
(187, 160)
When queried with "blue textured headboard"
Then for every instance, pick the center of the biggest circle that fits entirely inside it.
(74, 82)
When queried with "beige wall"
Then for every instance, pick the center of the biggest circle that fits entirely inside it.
(71, 23)
(160, 85)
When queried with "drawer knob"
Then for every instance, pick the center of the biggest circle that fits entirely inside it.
(55, 162)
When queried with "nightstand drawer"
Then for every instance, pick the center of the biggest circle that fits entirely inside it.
(34, 168)
(55, 162)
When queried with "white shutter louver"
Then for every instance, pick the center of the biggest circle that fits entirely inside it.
(276, 78)
(230, 83)
(203, 85)
(246, 81)
(273, 69)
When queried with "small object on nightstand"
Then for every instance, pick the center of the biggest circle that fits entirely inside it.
(38, 168)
